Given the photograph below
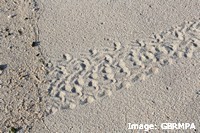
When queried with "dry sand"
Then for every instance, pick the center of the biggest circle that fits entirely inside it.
(95, 66)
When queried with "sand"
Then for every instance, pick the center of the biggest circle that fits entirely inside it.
(95, 66)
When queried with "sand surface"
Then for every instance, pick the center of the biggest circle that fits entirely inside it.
(95, 66)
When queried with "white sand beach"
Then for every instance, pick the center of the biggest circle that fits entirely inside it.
(99, 66)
